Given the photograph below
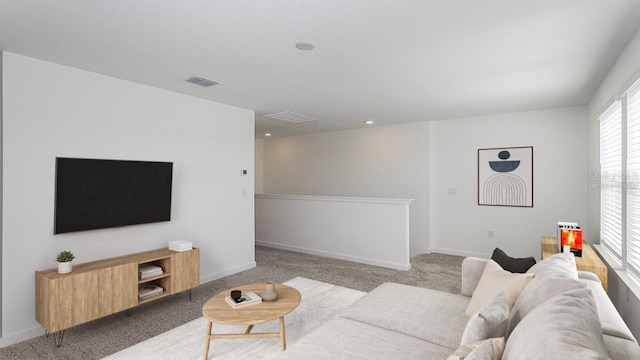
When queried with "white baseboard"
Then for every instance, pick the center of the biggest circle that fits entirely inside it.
(404, 267)
(23, 336)
(460, 253)
(427, 251)
(227, 272)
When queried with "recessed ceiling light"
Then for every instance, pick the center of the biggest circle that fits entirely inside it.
(305, 46)
(368, 122)
(267, 134)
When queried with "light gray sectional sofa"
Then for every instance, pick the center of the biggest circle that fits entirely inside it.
(556, 312)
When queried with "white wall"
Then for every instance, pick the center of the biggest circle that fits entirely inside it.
(423, 160)
(259, 166)
(1, 253)
(51, 110)
(460, 226)
(391, 162)
(620, 76)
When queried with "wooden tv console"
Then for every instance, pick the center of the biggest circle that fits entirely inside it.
(104, 287)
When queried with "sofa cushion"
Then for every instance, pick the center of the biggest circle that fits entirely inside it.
(489, 322)
(487, 349)
(514, 265)
(348, 339)
(431, 315)
(494, 280)
(564, 327)
(610, 319)
(539, 290)
(472, 268)
(620, 348)
(557, 265)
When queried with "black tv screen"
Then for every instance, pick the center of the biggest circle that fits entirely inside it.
(98, 194)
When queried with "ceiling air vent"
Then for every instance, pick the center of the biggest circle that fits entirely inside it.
(199, 80)
(290, 117)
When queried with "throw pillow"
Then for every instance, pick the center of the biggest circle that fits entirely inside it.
(565, 327)
(489, 349)
(489, 322)
(494, 279)
(539, 290)
(556, 265)
(514, 265)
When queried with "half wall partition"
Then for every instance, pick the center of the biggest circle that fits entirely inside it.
(372, 231)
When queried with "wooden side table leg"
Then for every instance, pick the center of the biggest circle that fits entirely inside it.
(207, 340)
(282, 335)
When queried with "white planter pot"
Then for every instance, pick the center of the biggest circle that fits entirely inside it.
(64, 267)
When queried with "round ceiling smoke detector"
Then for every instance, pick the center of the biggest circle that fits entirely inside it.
(305, 46)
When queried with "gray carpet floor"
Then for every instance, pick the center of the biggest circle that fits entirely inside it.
(111, 334)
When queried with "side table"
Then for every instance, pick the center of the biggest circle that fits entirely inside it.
(589, 261)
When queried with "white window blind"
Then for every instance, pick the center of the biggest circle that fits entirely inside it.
(611, 178)
(633, 179)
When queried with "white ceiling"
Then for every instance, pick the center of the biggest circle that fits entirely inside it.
(391, 61)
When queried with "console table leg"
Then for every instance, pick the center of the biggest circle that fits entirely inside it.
(189, 292)
(58, 339)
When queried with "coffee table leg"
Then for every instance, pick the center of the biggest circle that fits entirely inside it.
(249, 328)
(207, 340)
(282, 335)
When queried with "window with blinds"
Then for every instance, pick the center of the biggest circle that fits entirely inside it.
(633, 178)
(611, 178)
(620, 179)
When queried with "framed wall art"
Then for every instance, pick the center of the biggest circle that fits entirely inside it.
(505, 176)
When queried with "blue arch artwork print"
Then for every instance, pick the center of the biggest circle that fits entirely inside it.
(505, 176)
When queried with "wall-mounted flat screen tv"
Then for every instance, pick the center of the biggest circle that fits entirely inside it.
(97, 194)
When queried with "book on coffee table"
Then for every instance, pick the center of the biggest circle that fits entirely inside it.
(246, 299)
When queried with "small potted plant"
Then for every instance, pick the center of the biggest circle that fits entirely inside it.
(64, 261)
